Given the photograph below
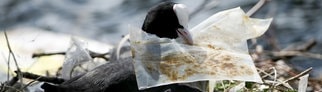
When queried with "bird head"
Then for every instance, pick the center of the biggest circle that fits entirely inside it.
(168, 20)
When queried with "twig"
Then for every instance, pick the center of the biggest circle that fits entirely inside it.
(14, 57)
(47, 54)
(292, 50)
(99, 55)
(223, 84)
(275, 78)
(258, 5)
(301, 46)
(29, 84)
(8, 63)
(296, 53)
(265, 73)
(275, 75)
(11, 52)
(272, 83)
(297, 76)
(92, 54)
(42, 78)
(284, 85)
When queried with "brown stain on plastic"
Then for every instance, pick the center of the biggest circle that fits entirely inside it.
(232, 68)
(167, 70)
(213, 47)
(149, 67)
(227, 65)
(169, 64)
(219, 63)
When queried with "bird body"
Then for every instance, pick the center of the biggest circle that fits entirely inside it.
(115, 76)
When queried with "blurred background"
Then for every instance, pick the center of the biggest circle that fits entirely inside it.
(107, 21)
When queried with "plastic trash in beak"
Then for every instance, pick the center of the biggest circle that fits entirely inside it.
(219, 52)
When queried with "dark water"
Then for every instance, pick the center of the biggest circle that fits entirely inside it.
(107, 20)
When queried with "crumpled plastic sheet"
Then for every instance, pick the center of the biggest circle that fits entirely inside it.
(77, 54)
(219, 52)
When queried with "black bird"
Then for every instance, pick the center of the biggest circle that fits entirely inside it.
(167, 20)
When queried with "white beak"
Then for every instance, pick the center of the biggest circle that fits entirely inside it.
(183, 18)
(185, 35)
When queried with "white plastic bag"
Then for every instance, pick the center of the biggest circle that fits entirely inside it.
(219, 52)
(77, 54)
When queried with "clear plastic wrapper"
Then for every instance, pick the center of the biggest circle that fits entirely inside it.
(76, 55)
(219, 52)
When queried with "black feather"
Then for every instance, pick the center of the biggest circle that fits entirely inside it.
(162, 21)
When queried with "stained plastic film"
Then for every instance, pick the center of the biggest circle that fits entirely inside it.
(219, 52)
